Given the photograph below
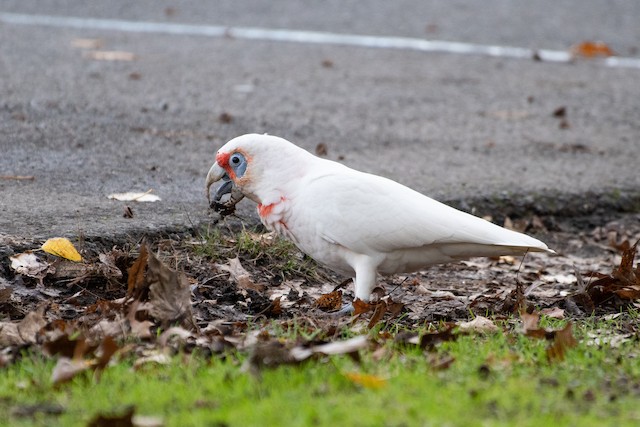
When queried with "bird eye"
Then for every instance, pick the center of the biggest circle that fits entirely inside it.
(238, 164)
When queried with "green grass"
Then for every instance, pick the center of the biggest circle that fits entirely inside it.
(279, 255)
(497, 379)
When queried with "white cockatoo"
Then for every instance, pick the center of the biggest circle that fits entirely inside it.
(355, 223)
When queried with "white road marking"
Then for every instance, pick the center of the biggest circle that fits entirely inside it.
(311, 37)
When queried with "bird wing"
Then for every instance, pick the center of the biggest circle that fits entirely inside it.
(367, 213)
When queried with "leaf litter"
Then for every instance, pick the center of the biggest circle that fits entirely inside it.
(243, 292)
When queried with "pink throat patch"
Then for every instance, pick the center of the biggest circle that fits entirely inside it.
(272, 212)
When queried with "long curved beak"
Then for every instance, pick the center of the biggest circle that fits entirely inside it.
(216, 173)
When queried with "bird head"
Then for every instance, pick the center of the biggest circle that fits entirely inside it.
(260, 167)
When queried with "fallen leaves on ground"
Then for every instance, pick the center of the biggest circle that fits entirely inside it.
(165, 297)
(623, 282)
(561, 339)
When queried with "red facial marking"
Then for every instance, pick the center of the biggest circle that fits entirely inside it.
(222, 159)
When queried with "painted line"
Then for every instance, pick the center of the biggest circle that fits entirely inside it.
(310, 37)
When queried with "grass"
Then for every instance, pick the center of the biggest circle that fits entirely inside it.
(278, 254)
(494, 380)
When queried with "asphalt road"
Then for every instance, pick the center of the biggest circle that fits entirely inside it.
(462, 128)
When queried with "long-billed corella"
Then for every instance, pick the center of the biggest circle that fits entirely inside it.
(355, 223)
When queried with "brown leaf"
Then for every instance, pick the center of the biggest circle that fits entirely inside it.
(553, 312)
(560, 112)
(24, 332)
(330, 302)
(139, 329)
(380, 308)
(275, 308)
(268, 355)
(136, 284)
(441, 362)
(623, 282)
(591, 49)
(429, 340)
(125, 419)
(562, 341)
(530, 320)
(5, 291)
(239, 275)
(361, 307)
(107, 348)
(66, 369)
(225, 118)
(169, 295)
(321, 149)
(108, 266)
(478, 324)
(625, 271)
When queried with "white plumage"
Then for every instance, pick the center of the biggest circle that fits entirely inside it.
(355, 223)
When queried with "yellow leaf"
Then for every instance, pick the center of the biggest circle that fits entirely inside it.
(366, 380)
(59, 246)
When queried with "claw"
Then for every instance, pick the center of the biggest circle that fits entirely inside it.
(346, 310)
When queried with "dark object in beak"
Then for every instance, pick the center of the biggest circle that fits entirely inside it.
(227, 207)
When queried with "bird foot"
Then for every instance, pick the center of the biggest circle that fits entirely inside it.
(346, 310)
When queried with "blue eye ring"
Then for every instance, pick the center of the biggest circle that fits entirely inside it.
(238, 163)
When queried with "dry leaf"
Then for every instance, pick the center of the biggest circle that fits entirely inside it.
(239, 275)
(67, 368)
(87, 43)
(109, 55)
(366, 380)
(380, 308)
(330, 302)
(24, 332)
(553, 312)
(136, 283)
(169, 295)
(360, 307)
(28, 264)
(479, 324)
(61, 247)
(590, 49)
(343, 347)
(562, 341)
(114, 420)
(623, 282)
(135, 197)
(155, 357)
